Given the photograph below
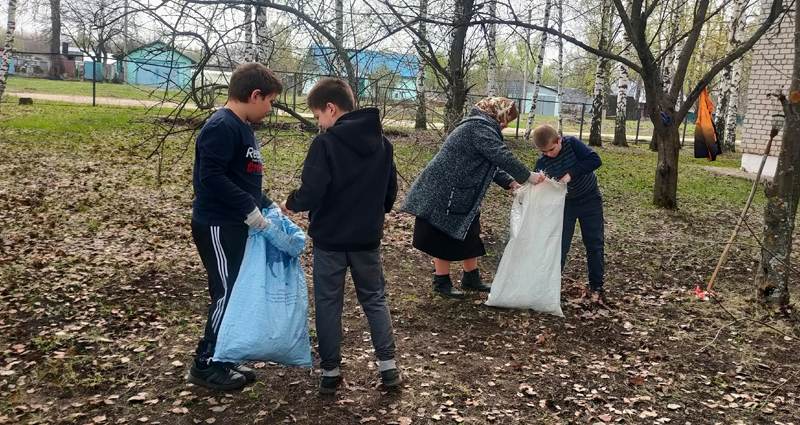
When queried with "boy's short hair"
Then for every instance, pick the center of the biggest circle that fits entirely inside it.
(544, 135)
(331, 90)
(251, 76)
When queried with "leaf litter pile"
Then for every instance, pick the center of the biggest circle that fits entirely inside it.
(103, 297)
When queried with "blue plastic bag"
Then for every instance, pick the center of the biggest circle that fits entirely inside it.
(267, 315)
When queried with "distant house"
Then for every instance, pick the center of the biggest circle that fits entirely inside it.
(37, 64)
(28, 64)
(157, 65)
(392, 75)
(547, 103)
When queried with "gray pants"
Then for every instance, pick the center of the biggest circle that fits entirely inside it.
(329, 275)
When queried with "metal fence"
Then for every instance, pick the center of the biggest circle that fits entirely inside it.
(393, 94)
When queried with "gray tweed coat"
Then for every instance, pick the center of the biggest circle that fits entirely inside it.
(449, 191)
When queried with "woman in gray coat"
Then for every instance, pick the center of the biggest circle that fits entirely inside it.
(446, 197)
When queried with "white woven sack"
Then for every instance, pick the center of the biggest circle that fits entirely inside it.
(529, 275)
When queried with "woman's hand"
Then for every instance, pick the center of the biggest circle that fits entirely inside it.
(566, 178)
(536, 178)
(514, 185)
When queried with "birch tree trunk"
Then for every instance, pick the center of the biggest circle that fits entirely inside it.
(537, 79)
(737, 29)
(249, 49)
(421, 121)
(722, 106)
(491, 44)
(620, 135)
(56, 67)
(9, 45)
(339, 34)
(596, 128)
(524, 104)
(773, 272)
(560, 69)
(263, 47)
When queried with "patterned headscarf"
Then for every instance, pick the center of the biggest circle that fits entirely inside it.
(502, 109)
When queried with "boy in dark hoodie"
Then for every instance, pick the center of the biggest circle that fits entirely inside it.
(349, 182)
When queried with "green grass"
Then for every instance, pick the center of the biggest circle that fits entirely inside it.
(48, 117)
(82, 88)
(626, 172)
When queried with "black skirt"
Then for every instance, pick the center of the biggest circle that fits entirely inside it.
(439, 244)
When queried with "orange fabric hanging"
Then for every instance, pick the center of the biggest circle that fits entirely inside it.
(706, 143)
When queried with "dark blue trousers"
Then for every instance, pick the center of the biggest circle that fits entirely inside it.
(588, 211)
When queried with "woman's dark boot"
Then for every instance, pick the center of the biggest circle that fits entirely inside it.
(471, 281)
(443, 285)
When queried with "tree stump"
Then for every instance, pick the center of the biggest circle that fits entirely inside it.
(25, 101)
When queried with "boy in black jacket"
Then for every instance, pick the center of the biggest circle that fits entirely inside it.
(228, 200)
(349, 182)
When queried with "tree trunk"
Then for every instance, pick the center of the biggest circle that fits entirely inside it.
(737, 33)
(524, 103)
(773, 272)
(457, 86)
(772, 277)
(249, 48)
(9, 46)
(263, 47)
(491, 44)
(56, 67)
(596, 126)
(421, 121)
(654, 142)
(339, 34)
(722, 105)
(537, 78)
(666, 185)
(560, 69)
(620, 135)
(728, 137)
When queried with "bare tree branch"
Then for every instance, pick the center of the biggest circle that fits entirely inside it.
(776, 9)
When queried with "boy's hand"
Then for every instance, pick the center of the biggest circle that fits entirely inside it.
(566, 178)
(284, 210)
(536, 178)
(255, 220)
(514, 186)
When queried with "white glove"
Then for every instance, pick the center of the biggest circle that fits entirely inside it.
(256, 220)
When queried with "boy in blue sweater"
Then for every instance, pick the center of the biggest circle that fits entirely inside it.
(228, 200)
(573, 163)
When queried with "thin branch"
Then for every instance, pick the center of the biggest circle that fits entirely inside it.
(775, 11)
(608, 55)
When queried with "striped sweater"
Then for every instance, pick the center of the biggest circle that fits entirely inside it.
(577, 160)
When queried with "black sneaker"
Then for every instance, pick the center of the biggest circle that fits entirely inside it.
(471, 281)
(217, 376)
(391, 378)
(248, 373)
(329, 384)
(443, 285)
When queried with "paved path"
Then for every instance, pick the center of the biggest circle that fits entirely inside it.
(735, 172)
(112, 101)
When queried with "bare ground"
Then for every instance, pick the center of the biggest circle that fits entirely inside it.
(102, 298)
